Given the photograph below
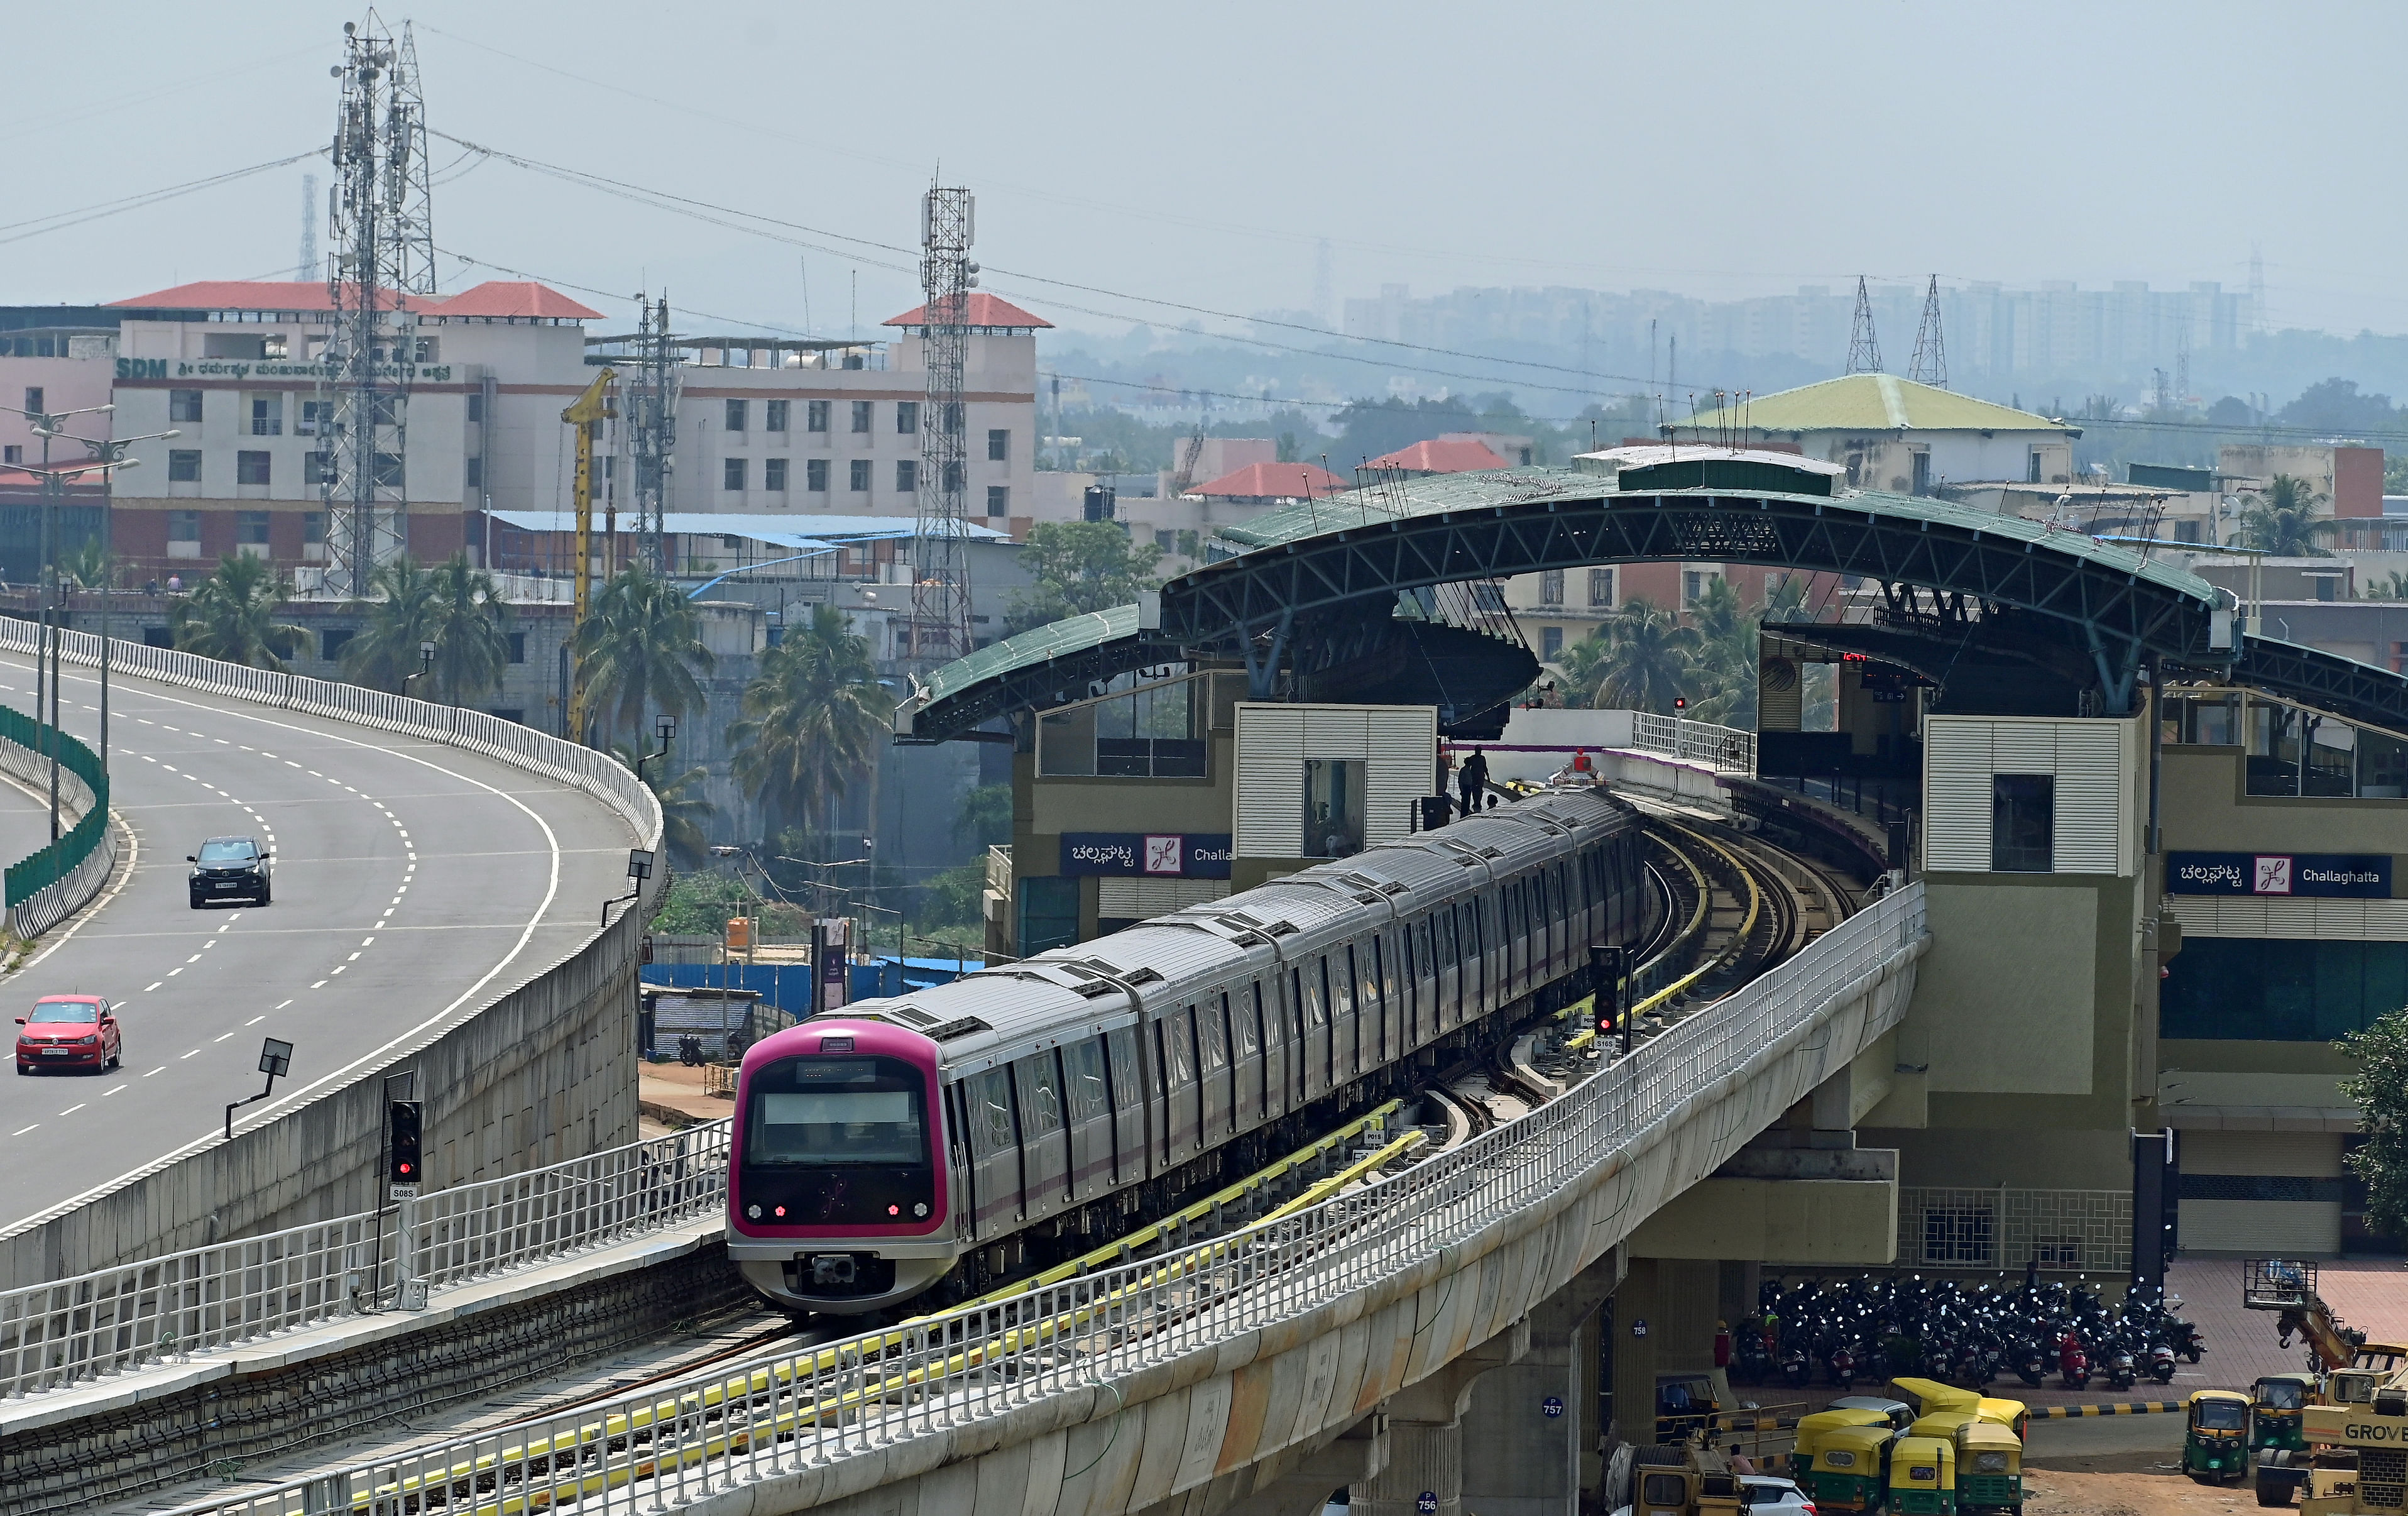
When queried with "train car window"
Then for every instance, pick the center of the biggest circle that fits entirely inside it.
(1178, 1046)
(1085, 1063)
(1041, 1105)
(1316, 995)
(1120, 1047)
(1246, 1021)
(1342, 985)
(1268, 1017)
(1212, 1028)
(992, 1096)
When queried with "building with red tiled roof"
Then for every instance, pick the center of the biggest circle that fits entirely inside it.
(1268, 482)
(990, 313)
(271, 299)
(1443, 457)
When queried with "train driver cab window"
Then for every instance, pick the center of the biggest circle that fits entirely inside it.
(817, 1111)
(1333, 807)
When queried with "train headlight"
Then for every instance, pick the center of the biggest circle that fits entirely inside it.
(921, 1208)
(753, 1212)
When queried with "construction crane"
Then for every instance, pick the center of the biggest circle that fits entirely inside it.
(2290, 1286)
(585, 413)
(1186, 475)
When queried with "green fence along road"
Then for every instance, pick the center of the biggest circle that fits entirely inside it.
(46, 886)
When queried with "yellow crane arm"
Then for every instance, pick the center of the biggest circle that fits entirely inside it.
(585, 413)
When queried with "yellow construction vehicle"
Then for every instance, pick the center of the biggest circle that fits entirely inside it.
(1684, 1479)
(586, 413)
(2355, 1422)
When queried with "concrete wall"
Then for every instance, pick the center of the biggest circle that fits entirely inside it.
(547, 1072)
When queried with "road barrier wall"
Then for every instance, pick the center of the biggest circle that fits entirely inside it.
(537, 1074)
(48, 886)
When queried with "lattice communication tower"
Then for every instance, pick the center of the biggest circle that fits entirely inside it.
(381, 251)
(1864, 353)
(941, 579)
(651, 386)
(1930, 364)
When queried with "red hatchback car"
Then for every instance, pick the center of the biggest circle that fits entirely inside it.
(69, 1031)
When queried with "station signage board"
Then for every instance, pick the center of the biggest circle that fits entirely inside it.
(1194, 855)
(2326, 876)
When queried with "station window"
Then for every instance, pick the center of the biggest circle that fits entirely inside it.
(34, 398)
(774, 413)
(815, 474)
(2023, 823)
(907, 475)
(999, 500)
(251, 467)
(476, 474)
(736, 409)
(250, 526)
(518, 646)
(313, 527)
(184, 405)
(1551, 586)
(1601, 588)
(332, 639)
(2279, 990)
(183, 465)
(1049, 913)
(773, 475)
(731, 474)
(998, 444)
(184, 526)
(859, 475)
(906, 417)
(862, 415)
(815, 416)
(1551, 643)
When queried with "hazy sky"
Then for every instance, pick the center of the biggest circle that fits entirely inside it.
(1197, 154)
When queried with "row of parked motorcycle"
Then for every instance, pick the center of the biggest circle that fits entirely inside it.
(1877, 1328)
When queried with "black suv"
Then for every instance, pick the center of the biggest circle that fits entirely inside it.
(229, 868)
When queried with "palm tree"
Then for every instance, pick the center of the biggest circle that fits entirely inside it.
(2283, 522)
(814, 718)
(384, 652)
(1640, 658)
(231, 615)
(685, 812)
(468, 622)
(639, 651)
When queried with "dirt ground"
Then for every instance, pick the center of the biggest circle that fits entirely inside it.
(2120, 1465)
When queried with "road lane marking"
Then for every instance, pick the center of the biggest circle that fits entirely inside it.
(181, 1057)
(340, 967)
(194, 959)
(320, 985)
(161, 1069)
(221, 1036)
(353, 958)
(146, 988)
(368, 942)
(77, 1106)
(119, 1090)
(22, 1130)
(280, 1007)
(256, 1019)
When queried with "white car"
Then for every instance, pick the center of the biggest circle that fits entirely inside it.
(1765, 1494)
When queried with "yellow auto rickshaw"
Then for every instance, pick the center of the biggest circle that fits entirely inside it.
(2012, 1414)
(1943, 1424)
(1989, 1468)
(2216, 1445)
(1923, 1477)
(1928, 1395)
(1852, 1468)
(1812, 1429)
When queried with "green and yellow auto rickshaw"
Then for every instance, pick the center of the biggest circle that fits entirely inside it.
(1989, 1468)
(1811, 1431)
(2215, 1444)
(1929, 1395)
(2012, 1414)
(1852, 1468)
(1940, 1423)
(2277, 1450)
(1922, 1476)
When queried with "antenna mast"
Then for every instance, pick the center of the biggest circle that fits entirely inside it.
(306, 268)
(941, 579)
(383, 251)
(1864, 353)
(652, 428)
(1930, 364)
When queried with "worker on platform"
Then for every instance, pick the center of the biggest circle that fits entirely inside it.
(1472, 779)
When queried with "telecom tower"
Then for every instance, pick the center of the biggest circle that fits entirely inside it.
(940, 580)
(305, 268)
(1930, 364)
(651, 389)
(382, 252)
(1864, 353)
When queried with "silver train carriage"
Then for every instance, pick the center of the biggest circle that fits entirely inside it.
(947, 1139)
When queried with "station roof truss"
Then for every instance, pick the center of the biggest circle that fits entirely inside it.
(1309, 570)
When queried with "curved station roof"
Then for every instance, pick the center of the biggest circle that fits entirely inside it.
(1303, 573)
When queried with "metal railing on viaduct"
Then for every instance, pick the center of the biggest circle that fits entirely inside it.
(1125, 1387)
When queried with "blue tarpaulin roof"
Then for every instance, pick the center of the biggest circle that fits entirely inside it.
(798, 533)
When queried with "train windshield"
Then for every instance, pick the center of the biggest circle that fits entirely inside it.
(819, 1110)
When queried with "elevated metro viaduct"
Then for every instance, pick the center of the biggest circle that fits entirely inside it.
(2076, 715)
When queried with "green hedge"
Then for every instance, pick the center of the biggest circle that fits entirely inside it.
(31, 875)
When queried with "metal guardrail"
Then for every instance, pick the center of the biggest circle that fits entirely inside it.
(172, 1309)
(1727, 749)
(814, 1406)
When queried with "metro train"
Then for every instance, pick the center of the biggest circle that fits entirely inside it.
(940, 1142)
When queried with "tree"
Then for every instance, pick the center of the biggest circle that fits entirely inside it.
(1724, 672)
(984, 819)
(2379, 1090)
(2283, 522)
(384, 654)
(231, 615)
(2334, 404)
(639, 652)
(1080, 567)
(813, 719)
(685, 812)
(1640, 658)
(468, 622)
